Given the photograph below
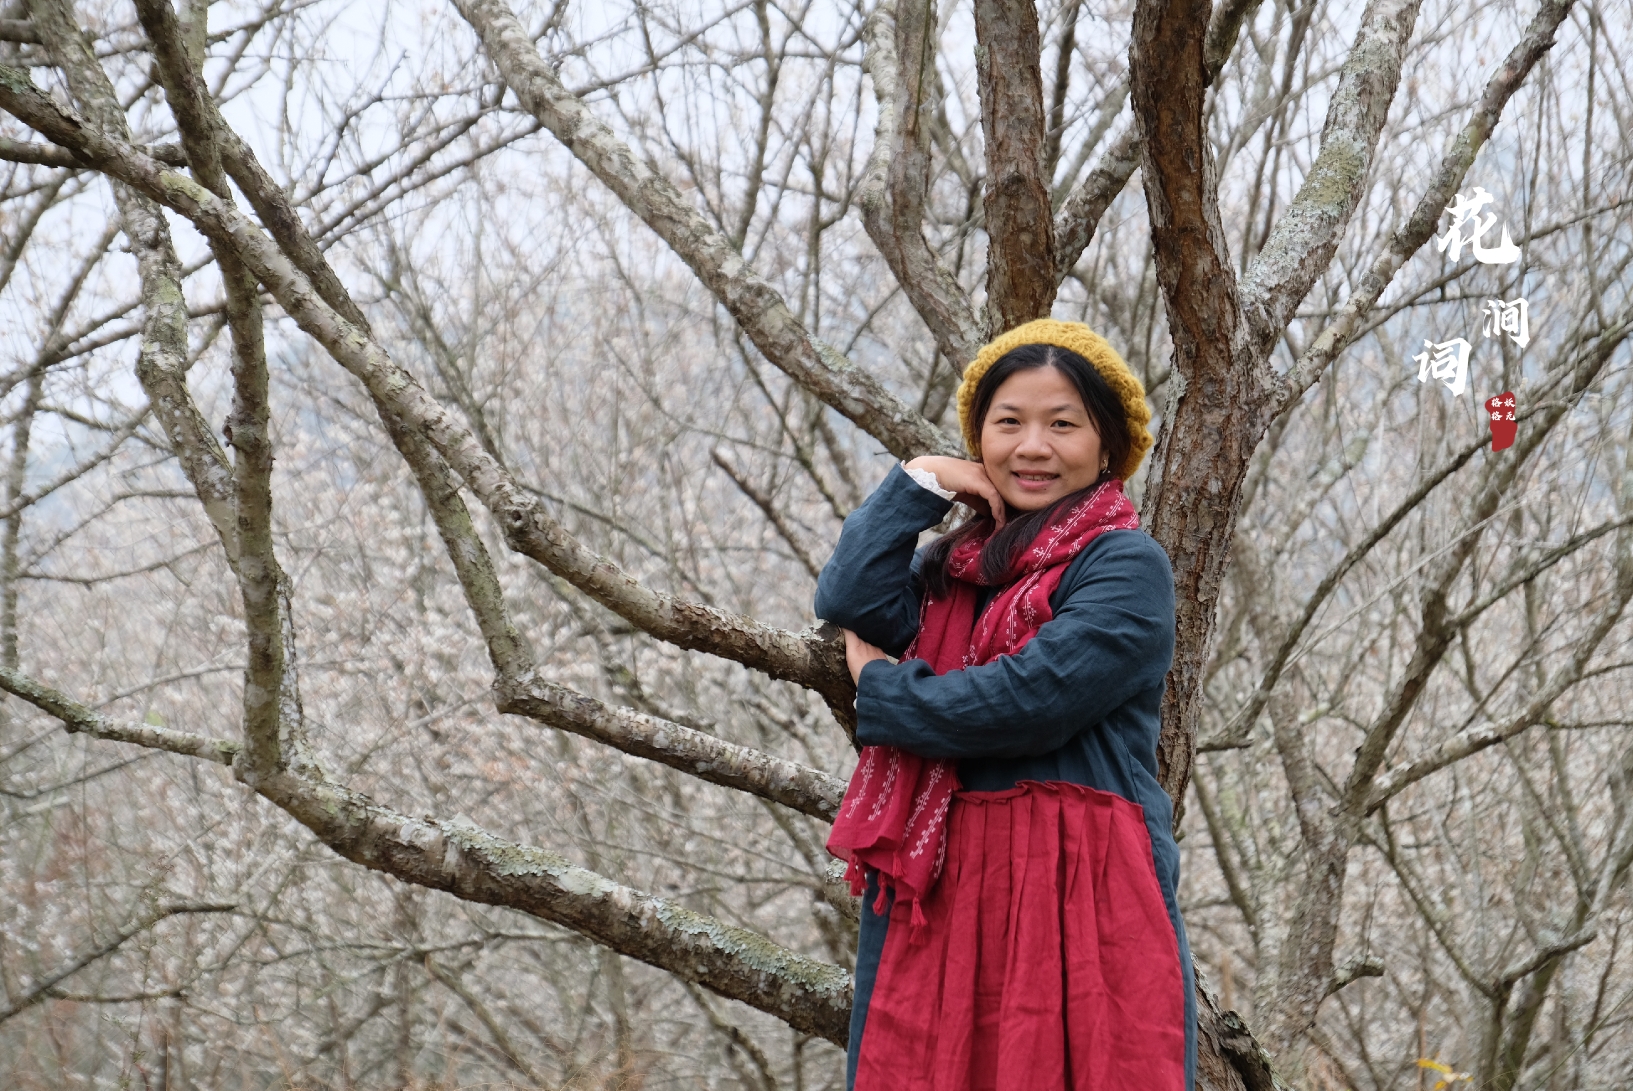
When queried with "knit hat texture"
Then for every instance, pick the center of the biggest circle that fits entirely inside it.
(1087, 344)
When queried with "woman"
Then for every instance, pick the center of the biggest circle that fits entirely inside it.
(1020, 927)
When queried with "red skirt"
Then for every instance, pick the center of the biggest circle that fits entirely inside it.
(1048, 961)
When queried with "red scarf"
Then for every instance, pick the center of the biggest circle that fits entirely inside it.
(894, 814)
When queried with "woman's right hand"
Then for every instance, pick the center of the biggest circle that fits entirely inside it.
(967, 479)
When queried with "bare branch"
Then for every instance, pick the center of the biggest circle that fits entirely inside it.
(161, 365)
(48, 155)
(477, 866)
(20, 31)
(1080, 213)
(1241, 724)
(1214, 420)
(807, 659)
(1354, 970)
(1223, 29)
(272, 709)
(1021, 273)
(1305, 238)
(737, 1040)
(1425, 218)
(1058, 88)
(809, 791)
(507, 1046)
(773, 516)
(46, 987)
(1437, 627)
(1083, 209)
(755, 304)
(894, 186)
(78, 718)
(1547, 953)
(1474, 739)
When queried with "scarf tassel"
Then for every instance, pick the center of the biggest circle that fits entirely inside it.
(881, 903)
(856, 877)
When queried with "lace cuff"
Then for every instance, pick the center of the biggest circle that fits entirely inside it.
(929, 481)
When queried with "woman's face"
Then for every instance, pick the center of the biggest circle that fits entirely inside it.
(1037, 441)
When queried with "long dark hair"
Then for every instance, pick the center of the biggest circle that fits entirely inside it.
(1003, 548)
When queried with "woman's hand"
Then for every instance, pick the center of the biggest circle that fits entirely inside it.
(859, 653)
(968, 480)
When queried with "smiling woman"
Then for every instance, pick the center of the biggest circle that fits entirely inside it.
(1021, 925)
(1041, 442)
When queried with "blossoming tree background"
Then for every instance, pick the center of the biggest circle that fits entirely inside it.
(422, 428)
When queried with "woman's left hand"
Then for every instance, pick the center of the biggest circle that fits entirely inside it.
(859, 653)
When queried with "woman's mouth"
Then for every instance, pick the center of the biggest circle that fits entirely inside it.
(1035, 482)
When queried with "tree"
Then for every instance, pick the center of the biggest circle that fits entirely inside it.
(983, 209)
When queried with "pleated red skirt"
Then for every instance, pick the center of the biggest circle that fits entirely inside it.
(1047, 963)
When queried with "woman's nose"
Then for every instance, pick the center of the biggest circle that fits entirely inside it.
(1034, 444)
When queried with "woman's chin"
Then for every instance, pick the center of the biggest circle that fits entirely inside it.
(1021, 500)
(1019, 503)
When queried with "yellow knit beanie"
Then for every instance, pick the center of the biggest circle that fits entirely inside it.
(1087, 344)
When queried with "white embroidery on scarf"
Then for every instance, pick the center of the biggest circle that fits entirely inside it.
(936, 772)
(869, 758)
(890, 781)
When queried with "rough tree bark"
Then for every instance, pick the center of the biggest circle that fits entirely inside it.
(1226, 394)
(1020, 223)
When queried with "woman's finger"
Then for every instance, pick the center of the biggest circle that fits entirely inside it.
(853, 654)
(997, 503)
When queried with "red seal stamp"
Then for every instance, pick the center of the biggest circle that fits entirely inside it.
(1500, 411)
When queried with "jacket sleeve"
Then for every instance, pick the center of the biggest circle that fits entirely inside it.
(868, 585)
(1111, 638)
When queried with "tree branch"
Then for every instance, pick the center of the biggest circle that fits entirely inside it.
(161, 362)
(754, 303)
(1354, 970)
(1474, 739)
(474, 865)
(809, 659)
(438, 484)
(46, 987)
(896, 181)
(1021, 276)
(1241, 724)
(477, 866)
(1084, 208)
(1547, 953)
(1081, 212)
(1214, 419)
(78, 718)
(769, 510)
(809, 791)
(1436, 628)
(1223, 29)
(20, 31)
(507, 1047)
(1425, 218)
(273, 720)
(1307, 235)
